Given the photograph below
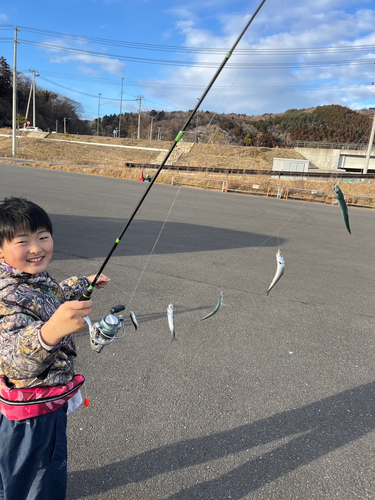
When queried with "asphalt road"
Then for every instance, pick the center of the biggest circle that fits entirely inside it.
(271, 398)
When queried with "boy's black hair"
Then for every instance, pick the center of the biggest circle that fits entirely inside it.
(21, 214)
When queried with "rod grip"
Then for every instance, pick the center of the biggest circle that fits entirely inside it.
(87, 294)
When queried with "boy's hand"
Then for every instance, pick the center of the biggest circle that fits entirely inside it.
(66, 320)
(102, 280)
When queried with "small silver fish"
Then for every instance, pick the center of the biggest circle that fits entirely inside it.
(279, 270)
(218, 305)
(170, 320)
(133, 319)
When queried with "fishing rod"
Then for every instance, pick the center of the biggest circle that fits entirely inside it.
(87, 294)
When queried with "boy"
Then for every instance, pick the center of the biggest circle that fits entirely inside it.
(37, 319)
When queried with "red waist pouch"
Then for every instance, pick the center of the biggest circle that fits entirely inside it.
(19, 404)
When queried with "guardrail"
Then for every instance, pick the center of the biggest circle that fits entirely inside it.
(330, 145)
(280, 192)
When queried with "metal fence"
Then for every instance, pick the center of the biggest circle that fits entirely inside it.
(330, 145)
(280, 192)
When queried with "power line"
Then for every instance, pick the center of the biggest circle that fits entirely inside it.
(221, 88)
(205, 50)
(213, 64)
(78, 92)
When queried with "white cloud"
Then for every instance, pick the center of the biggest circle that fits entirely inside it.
(89, 64)
(322, 23)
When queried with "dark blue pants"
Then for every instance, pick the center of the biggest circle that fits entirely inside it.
(33, 457)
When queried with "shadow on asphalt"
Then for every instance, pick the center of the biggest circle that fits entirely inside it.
(312, 432)
(93, 237)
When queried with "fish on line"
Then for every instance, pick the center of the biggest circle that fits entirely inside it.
(218, 306)
(171, 320)
(279, 270)
(339, 195)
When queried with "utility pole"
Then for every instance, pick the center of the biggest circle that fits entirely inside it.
(159, 134)
(57, 121)
(197, 127)
(14, 107)
(28, 104)
(152, 119)
(119, 118)
(139, 98)
(64, 120)
(98, 124)
(367, 161)
(33, 85)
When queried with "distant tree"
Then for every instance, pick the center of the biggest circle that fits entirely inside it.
(21, 120)
(132, 131)
(6, 89)
(248, 140)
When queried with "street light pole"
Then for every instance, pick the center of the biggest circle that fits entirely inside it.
(98, 124)
(139, 98)
(152, 119)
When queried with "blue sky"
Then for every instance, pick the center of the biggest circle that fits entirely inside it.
(296, 54)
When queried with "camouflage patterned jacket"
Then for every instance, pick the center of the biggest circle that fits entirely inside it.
(27, 301)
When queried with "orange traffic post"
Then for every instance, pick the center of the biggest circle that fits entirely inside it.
(328, 197)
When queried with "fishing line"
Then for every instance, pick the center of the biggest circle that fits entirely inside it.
(272, 235)
(87, 294)
(153, 248)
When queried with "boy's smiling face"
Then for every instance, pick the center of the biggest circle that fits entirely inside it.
(28, 252)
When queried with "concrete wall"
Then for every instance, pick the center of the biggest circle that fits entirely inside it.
(319, 158)
(330, 159)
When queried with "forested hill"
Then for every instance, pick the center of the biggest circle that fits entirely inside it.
(331, 123)
(50, 107)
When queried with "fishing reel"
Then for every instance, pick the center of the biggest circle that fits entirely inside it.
(104, 332)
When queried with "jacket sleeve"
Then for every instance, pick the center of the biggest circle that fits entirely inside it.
(74, 287)
(22, 354)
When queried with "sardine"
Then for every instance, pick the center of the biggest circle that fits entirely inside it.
(339, 195)
(218, 305)
(279, 270)
(170, 320)
(133, 319)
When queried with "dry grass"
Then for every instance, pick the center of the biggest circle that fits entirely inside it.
(228, 157)
(111, 162)
(201, 155)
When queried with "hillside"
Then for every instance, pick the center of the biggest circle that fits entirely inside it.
(331, 123)
(214, 154)
(324, 123)
(97, 159)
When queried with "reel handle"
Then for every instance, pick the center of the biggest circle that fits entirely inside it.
(117, 309)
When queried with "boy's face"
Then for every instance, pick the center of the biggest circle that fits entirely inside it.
(28, 252)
